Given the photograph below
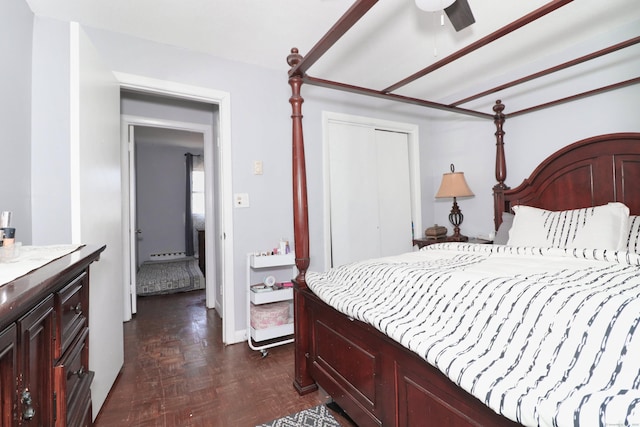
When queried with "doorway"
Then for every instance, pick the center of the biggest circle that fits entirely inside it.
(148, 120)
(219, 226)
(159, 213)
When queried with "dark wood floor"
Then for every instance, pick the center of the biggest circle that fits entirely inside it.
(177, 372)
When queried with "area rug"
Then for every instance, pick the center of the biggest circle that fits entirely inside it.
(167, 277)
(319, 416)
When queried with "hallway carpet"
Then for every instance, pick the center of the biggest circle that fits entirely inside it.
(167, 277)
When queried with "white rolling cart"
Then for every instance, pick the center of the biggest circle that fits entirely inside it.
(279, 269)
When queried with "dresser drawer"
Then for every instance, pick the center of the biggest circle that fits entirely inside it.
(79, 409)
(72, 382)
(70, 311)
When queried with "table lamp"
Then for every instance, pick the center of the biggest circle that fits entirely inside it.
(454, 185)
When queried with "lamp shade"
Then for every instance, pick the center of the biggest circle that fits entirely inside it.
(433, 5)
(453, 185)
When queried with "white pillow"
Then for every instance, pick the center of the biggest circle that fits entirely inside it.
(633, 241)
(599, 227)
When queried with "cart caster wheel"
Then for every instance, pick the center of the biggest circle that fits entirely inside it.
(265, 353)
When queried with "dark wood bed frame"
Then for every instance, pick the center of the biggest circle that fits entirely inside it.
(374, 379)
(378, 382)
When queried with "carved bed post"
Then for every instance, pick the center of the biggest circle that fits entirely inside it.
(501, 165)
(303, 381)
(300, 208)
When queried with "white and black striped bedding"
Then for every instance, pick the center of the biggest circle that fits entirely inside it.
(543, 336)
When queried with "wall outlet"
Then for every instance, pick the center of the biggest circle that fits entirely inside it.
(241, 200)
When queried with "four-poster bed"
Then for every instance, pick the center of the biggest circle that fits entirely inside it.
(383, 379)
(378, 381)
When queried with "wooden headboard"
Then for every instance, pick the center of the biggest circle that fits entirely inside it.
(590, 172)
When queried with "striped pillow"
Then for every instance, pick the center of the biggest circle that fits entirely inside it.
(600, 227)
(633, 241)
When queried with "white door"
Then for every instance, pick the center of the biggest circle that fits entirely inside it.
(133, 225)
(354, 194)
(394, 192)
(96, 202)
(370, 192)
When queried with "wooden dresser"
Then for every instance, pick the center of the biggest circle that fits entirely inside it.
(44, 344)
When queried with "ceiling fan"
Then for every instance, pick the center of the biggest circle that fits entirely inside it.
(458, 11)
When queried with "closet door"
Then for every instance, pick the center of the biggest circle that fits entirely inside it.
(394, 192)
(369, 193)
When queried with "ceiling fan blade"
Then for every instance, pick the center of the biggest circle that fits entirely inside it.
(460, 14)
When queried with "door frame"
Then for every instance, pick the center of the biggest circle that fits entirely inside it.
(414, 166)
(128, 121)
(221, 143)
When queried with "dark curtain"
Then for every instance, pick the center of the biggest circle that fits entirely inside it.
(188, 223)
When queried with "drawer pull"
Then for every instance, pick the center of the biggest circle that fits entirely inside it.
(77, 309)
(28, 412)
(80, 373)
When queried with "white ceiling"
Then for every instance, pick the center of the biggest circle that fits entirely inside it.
(259, 32)
(392, 41)
(403, 41)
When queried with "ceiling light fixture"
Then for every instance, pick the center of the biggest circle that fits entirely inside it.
(433, 5)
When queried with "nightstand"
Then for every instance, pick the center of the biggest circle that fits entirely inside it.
(479, 241)
(421, 242)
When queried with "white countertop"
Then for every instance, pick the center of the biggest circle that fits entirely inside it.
(21, 260)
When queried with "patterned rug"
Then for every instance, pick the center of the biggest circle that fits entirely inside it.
(320, 416)
(167, 277)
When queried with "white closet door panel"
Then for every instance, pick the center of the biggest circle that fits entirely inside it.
(394, 192)
(354, 193)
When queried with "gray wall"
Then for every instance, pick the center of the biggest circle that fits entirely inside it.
(530, 138)
(165, 108)
(160, 195)
(261, 130)
(160, 170)
(16, 21)
(50, 141)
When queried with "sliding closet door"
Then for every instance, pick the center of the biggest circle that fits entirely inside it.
(370, 197)
(394, 192)
(354, 193)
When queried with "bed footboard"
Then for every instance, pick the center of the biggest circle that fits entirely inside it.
(380, 383)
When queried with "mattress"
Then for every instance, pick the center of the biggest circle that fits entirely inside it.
(543, 336)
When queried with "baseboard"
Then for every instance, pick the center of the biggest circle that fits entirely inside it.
(240, 336)
(165, 256)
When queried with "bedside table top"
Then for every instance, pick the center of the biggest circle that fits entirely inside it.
(479, 241)
(423, 241)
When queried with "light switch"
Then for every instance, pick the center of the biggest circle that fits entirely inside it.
(257, 167)
(241, 200)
